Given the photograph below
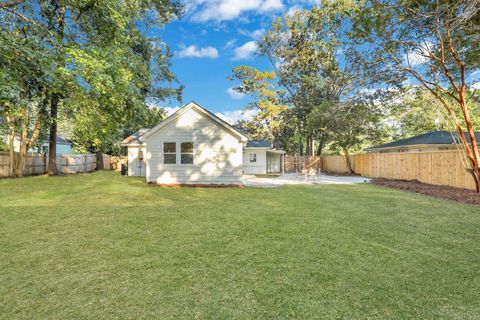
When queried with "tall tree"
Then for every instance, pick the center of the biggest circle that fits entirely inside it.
(435, 44)
(266, 98)
(314, 63)
(96, 52)
(356, 122)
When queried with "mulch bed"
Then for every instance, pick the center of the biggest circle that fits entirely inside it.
(194, 185)
(343, 174)
(451, 193)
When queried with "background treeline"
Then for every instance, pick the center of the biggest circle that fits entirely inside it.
(83, 66)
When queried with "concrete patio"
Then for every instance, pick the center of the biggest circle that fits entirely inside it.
(295, 179)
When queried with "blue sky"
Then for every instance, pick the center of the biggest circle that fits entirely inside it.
(215, 36)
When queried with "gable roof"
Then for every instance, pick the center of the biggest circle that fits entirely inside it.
(258, 144)
(429, 138)
(196, 106)
(134, 138)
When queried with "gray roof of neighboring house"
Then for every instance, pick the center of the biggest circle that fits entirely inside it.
(432, 138)
(135, 138)
(60, 140)
(258, 144)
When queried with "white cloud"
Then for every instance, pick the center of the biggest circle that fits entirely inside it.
(223, 10)
(419, 55)
(233, 117)
(255, 34)
(294, 9)
(196, 52)
(271, 5)
(245, 51)
(230, 43)
(171, 110)
(234, 94)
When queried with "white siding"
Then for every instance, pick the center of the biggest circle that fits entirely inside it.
(217, 153)
(62, 148)
(135, 166)
(259, 167)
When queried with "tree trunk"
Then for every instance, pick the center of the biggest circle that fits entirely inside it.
(320, 147)
(348, 160)
(476, 177)
(11, 145)
(473, 153)
(300, 147)
(22, 153)
(52, 141)
(100, 161)
(55, 100)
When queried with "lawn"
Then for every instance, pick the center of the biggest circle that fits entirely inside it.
(103, 246)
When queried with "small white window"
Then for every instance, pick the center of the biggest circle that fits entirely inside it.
(169, 153)
(253, 157)
(187, 152)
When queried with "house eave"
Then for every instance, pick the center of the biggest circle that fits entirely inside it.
(199, 108)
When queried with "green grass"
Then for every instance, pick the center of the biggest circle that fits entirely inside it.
(103, 246)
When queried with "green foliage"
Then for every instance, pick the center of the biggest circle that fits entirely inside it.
(417, 112)
(91, 56)
(266, 98)
(316, 64)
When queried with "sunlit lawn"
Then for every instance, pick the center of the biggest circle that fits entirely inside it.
(103, 246)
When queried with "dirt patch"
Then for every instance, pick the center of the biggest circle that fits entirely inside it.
(456, 194)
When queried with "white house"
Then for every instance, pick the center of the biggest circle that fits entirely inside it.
(193, 146)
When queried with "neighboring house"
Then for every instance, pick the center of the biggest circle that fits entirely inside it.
(431, 141)
(193, 146)
(64, 146)
(16, 143)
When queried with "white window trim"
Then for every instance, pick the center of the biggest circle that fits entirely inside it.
(164, 153)
(180, 152)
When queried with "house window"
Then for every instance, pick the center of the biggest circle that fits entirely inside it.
(253, 157)
(187, 152)
(169, 153)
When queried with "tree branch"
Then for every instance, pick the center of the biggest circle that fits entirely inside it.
(11, 3)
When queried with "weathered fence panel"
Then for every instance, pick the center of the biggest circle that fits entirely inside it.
(37, 163)
(297, 163)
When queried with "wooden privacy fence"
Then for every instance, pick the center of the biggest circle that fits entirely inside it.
(436, 167)
(297, 163)
(37, 163)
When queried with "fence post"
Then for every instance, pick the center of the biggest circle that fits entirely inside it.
(67, 170)
(99, 161)
(85, 164)
(45, 162)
